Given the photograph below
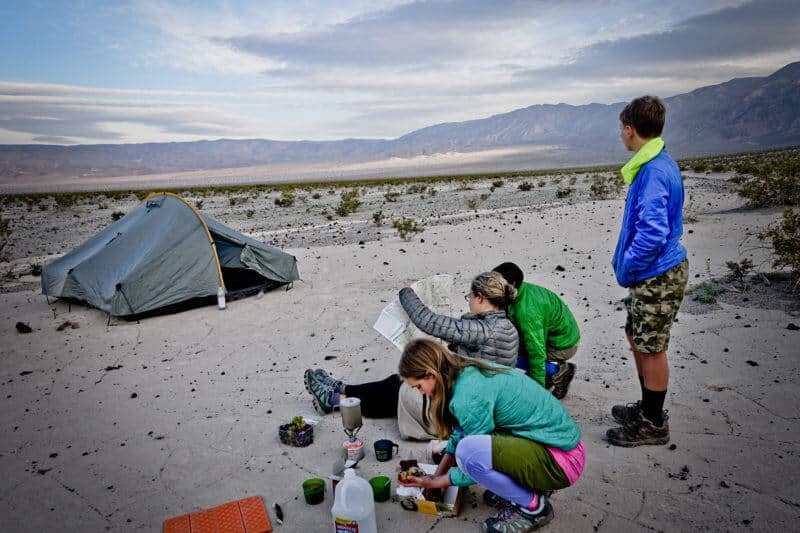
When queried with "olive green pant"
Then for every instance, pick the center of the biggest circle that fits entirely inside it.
(529, 463)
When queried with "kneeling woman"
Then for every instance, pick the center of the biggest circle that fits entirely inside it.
(506, 433)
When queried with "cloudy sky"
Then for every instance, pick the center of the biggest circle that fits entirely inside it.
(144, 70)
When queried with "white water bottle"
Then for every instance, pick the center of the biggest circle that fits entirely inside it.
(221, 298)
(354, 506)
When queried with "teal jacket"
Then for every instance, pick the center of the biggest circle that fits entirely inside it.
(544, 321)
(507, 402)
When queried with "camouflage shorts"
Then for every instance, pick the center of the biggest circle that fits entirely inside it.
(652, 305)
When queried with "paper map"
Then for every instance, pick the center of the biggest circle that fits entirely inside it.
(393, 322)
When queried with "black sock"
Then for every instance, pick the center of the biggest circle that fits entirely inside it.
(653, 405)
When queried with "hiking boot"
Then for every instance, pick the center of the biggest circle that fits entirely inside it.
(493, 500)
(513, 518)
(321, 392)
(562, 379)
(326, 378)
(627, 413)
(638, 432)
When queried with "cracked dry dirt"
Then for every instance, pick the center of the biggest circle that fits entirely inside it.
(117, 426)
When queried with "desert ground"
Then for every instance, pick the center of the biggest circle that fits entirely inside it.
(117, 425)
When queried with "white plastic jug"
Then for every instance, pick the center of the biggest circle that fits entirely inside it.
(354, 508)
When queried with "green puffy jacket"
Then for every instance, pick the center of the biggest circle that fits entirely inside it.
(544, 321)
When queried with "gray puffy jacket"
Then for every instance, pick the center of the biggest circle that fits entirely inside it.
(490, 335)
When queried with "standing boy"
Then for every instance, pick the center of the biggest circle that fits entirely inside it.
(650, 261)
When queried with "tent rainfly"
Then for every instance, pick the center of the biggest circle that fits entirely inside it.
(163, 256)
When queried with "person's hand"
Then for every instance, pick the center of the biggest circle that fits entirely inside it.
(427, 482)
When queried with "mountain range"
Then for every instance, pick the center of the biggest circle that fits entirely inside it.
(743, 114)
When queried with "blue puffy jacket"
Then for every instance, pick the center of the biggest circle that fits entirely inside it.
(652, 225)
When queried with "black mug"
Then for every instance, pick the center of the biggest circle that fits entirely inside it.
(383, 449)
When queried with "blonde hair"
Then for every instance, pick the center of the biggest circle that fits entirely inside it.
(494, 287)
(424, 357)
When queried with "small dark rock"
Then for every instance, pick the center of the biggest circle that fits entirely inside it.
(724, 484)
(134, 395)
(672, 447)
(22, 327)
(751, 363)
(329, 357)
(110, 368)
(560, 268)
(791, 326)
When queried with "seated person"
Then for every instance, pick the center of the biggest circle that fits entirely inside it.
(548, 331)
(484, 333)
(505, 432)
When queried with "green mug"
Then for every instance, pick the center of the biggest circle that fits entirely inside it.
(380, 488)
(314, 490)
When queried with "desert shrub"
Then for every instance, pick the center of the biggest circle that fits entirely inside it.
(690, 210)
(785, 237)
(738, 272)
(605, 187)
(286, 199)
(564, 192)
(316, 196)
(407, 227)
(236, 200)
(65, 199)
(718, 167)
(472, 203)
(250, 213)
(541, 183)
(377, 217)
(417, 188)
(5, 233)
(497, 184)
(778, 188)
(116, 215)
(199, 204)
(326, 214)
(706, 292)
(573, 180)
(348, 203)
(699, 166)
(36, 269)
(391, 196)
(525, 186)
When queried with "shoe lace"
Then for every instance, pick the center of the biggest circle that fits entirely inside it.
(506, 513)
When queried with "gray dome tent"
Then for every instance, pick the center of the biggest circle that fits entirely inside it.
(162, 256)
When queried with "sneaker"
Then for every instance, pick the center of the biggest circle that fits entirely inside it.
(627, 413)
(638, 432)
(515, 519)
(321, 393)
(562, 379)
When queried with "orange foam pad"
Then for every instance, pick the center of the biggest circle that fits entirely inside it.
(247, 515)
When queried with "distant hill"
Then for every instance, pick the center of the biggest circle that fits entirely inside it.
(740, 115)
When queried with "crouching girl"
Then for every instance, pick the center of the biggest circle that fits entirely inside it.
(505, 431)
